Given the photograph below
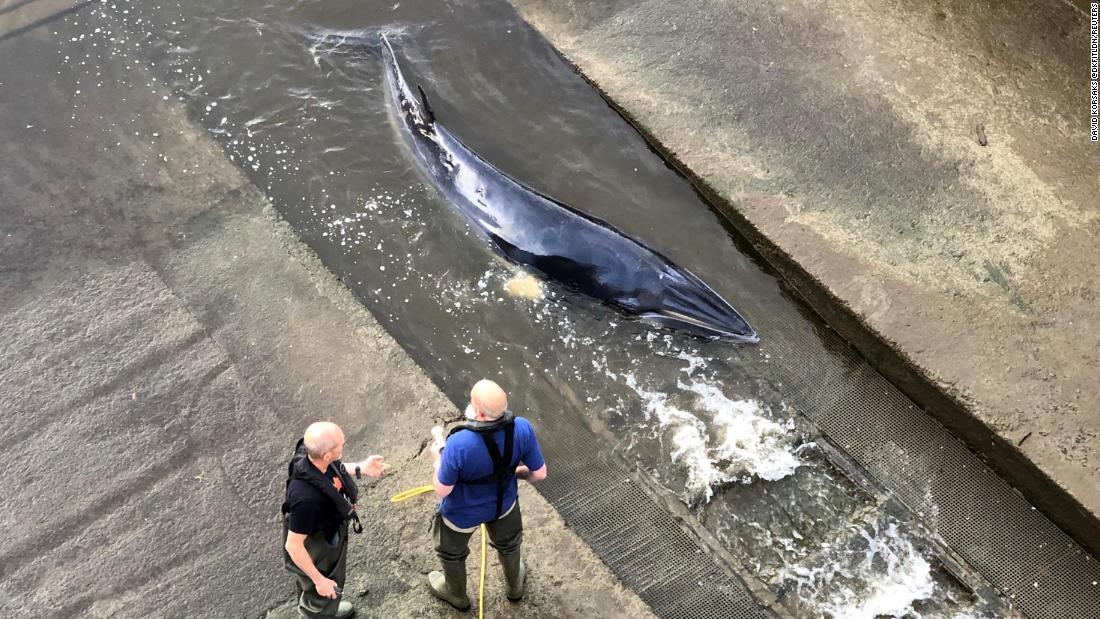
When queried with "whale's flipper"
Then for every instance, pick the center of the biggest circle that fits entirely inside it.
(426, 108)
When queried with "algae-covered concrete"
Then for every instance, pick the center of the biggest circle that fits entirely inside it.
(921, 172)
(164, 340)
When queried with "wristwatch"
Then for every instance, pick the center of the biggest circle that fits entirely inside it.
(357, 472)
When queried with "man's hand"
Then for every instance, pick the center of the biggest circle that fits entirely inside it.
(374, 466)
(438, 442)
(296, 548)
(524, 472)
(326, 587)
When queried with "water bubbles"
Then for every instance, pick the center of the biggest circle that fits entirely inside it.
(737, 442)
(877, 573)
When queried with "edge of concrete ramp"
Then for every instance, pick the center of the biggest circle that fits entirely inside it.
(895, 232)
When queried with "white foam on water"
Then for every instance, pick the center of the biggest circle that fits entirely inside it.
(694, 362)
(892, 576)
(749, 446)
(750, 442)
(689, 439)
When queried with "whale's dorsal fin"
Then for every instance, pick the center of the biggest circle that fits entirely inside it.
(429, 115)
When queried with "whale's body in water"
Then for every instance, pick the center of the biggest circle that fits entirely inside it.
(553, 239)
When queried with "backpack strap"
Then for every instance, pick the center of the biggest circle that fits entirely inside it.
(506, 419)
(503, 469)
(290, 473)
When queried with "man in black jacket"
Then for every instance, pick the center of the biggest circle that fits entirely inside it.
(320, 501)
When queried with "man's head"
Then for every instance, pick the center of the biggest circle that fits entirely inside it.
(324, 442)
(488, 400)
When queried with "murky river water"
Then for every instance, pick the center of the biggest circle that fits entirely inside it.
(294, 93)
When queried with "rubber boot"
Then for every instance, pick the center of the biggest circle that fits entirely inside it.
(450, 586)
(345, 610)
(515, 575)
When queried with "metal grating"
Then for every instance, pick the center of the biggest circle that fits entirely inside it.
(1039, 569)
(638, 539)
(1034, 564)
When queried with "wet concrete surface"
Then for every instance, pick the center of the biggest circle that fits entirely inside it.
(165, 339)
(187, 253)
(844, 140)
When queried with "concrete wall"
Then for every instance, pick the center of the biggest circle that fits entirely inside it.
(921, 173)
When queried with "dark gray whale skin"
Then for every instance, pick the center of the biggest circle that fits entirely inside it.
(559, 242)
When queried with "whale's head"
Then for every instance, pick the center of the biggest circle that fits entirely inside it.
(685, 303)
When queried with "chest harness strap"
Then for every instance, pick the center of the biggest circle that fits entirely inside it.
(503, 468)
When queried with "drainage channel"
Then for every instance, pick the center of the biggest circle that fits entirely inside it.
(783, 479)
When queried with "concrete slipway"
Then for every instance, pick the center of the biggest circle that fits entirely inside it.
(843, 141)
(920, 172)
(164, 339)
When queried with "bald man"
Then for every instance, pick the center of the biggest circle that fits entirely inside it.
(320, 501)
(476, 473)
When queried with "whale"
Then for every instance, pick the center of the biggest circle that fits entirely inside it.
(556, 241)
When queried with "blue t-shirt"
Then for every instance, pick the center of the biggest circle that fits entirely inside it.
(467, 458)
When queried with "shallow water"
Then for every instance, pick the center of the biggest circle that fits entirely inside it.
(293, 93)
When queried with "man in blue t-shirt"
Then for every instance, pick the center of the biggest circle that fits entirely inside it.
(475, 478)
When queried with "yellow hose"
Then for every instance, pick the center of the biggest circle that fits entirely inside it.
(408, 494)
(481, 584)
